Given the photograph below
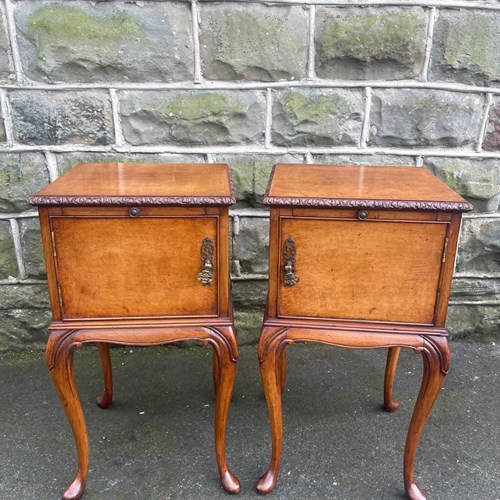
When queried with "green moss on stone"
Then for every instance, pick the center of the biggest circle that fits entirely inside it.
(367, 37)
(472, 42)
(301, 107)
(199, 106)
(8, 263)
(245, 36)
(67, 23)
(471, 179)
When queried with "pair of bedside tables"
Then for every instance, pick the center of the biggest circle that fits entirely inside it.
(137, 254)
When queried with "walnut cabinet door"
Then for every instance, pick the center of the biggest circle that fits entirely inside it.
(147, 266)
(373, 270)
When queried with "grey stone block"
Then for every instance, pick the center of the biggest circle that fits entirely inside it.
(476, 289)
(317, 117)
(249, 294)
(465, 47)
(413, 117)
(371, 43)
(31, 241)
(492, 137)
(8, 262)
(105, 41)
(193, 117)
(479, 246)
(22, 329)
(6, 68)
(251, 173)
(3, 136)
(248, 324)
(62, 117)
(260, 42)
(24, 296)
(251, 245)
(21, 175)
(384, 160)
(65, 161)
(481, 322)
(477, 180)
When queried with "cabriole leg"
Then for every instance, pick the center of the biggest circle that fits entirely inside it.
(436, 358)
(272, 380)
(59, 356)
(282, 368)
(223, 382)
(215, 370)
(390, 404)
(105, 400)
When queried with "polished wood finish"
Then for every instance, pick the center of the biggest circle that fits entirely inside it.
(151, 247)
(137, 254)
(140, 184)
(342, 267)
(360, 257)
(361, 187)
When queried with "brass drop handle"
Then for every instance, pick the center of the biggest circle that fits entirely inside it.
(207, 262)
(289, 251)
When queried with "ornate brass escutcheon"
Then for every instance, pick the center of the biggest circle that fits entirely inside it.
(289, 251)
(207, 262)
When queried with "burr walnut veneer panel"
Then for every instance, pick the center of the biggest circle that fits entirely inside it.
(343, 266)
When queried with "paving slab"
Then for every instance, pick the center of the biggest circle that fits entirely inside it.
(156, 441)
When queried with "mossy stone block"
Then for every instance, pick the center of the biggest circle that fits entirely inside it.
(249, 294)
(261, 43)
(23, 329)
(8, 262)
(492, 137)
(32, 296)
(251, 173)
(474, 322)
(465, 47)
(317, 117)
(66, 161)
(477, 289)
(251, 245)
(62, 117)
(3, 136)
(193, 117)
(370, 43)
(21, 175)
(105, 41)
(477, 180)
(31, 240)
(414, 117)
(382, 160)
(6, 69)
(248, 325)
(479, 246)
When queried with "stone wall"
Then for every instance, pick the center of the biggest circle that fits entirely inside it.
(249, 83)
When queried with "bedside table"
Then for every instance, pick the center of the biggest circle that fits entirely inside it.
(359, 257)
(137, 254)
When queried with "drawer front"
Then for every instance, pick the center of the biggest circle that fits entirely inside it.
(367, 270)
(134, 267)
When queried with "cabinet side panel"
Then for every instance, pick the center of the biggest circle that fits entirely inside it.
(273, 282)
(448, 268)
(366, 270)
(48, 251)
(125, 267)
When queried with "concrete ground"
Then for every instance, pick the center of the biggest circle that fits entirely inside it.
(156, 441)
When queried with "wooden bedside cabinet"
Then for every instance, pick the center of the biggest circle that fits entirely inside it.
(359, 257)
(137, 254)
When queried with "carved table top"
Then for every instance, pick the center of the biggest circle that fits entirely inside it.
(351, 186)
(176, 184)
